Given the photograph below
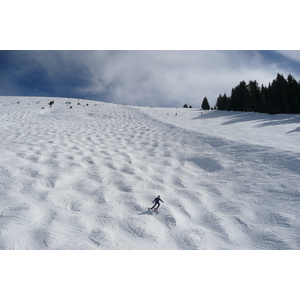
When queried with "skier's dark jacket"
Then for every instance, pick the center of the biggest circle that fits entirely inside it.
(157, 199)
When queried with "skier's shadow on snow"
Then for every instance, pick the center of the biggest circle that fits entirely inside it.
(148, 212)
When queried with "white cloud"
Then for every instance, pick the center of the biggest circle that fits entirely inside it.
(173, 78)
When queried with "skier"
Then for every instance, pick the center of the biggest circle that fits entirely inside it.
(156, 200)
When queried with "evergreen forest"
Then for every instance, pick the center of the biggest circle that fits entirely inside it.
(281, 96)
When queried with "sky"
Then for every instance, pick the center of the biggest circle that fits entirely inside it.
(165, 78)
(148, 53)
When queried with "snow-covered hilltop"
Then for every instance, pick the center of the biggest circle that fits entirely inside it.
(82, 174)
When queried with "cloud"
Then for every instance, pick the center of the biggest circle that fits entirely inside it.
(175, 77)
(178, 77)
(159, 78)
(165, 77)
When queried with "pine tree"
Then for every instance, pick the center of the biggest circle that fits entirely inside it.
(223, 102)
(205, 105)
(243, 96)
(233, 104)
(254, 96)
(292, 95)
(298, 98)
(264, 96)
(278, 97)
(220, 104)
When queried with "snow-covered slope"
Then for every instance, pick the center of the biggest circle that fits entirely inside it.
(84, 177)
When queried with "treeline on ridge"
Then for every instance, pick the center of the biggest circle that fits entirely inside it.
(280, 96)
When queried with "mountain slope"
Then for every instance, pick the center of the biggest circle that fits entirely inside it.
(84, 177)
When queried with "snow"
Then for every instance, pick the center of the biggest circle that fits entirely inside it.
(84, 177)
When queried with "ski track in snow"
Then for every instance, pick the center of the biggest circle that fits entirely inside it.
(83, 178)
